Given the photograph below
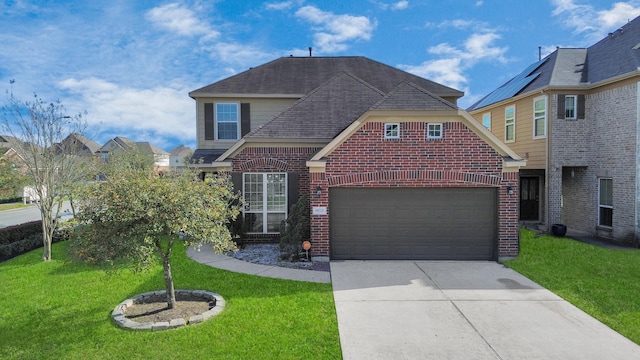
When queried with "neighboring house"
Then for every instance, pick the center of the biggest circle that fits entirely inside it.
(178, 155)
(79, 144)
(13, 149)
(574, 117)
(392, 167)
(119, 143)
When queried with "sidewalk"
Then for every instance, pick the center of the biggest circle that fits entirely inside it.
(208, 257)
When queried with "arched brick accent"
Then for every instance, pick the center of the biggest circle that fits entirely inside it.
(271, 163)
(415, 178)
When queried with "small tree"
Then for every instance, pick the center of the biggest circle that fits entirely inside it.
(136, 214)
(50, 166)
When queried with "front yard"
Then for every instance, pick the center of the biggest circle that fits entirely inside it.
(602, 282)
(63, 309)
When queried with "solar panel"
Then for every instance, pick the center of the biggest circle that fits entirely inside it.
(513, 86)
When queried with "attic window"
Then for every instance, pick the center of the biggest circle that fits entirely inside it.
(392, 131)
(434, 131)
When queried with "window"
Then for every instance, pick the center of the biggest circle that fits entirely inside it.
(434, 131)
(227, 121)
(265, 196)
(605, 203)
(510, 123)
(392, 131)
(486, 120)
(570, 102)
(540, 117)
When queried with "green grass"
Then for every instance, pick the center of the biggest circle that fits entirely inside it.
(62, 310)
(9, 206)
(602, 282)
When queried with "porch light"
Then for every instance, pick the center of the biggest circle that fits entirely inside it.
(509, 190)
(318, 190)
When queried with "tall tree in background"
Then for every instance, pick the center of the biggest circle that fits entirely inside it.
(51, 166)
(137, 215)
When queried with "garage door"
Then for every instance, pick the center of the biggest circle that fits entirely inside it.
(413, 223)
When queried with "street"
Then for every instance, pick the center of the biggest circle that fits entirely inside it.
(31, 213)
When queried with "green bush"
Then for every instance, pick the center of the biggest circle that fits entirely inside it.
(15, 233)
(20, 247)
(295, 229)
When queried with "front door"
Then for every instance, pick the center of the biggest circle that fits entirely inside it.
(529, 198)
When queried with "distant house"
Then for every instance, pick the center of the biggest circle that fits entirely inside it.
(392, 168)
(178, 155)
(120, 143)
(79, 144)
(13, 149)
(575, 115)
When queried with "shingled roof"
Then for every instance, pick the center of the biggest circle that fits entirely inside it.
(409, 96)
(297, 76)
(324, 112)
(576, 67)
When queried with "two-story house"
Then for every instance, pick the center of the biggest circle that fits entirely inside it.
(574, 116)
(393, 169)
(160, 157)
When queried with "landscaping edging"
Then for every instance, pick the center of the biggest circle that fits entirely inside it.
(121, 320)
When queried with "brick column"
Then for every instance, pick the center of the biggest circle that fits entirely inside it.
(319, 223)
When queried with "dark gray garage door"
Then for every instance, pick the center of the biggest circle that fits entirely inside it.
(413, 223)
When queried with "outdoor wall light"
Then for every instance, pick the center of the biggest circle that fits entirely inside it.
(318, 190)
(509, 190)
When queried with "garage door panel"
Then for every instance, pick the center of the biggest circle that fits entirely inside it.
(413, 223)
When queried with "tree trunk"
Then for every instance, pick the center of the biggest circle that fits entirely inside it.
(168, 279)
(47, 224)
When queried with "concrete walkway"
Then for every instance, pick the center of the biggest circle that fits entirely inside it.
(461, 310)
(208, 257)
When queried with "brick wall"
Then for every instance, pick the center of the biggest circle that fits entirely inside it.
(604, 144)
(459, 159)
(276, 159)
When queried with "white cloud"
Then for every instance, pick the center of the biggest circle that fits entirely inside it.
(334, 31)
(283, 5)
(595, 24)
(158, 113)
(181, 20)
(454, 61)
(400, 5)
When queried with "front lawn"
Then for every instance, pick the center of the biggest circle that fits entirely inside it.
(602, 282)
(63, 309)
(9, 206)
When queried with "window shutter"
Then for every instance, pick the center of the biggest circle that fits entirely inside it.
(209, 126)
(236, 179)
(581, 99)
(245, 118)
(561, 106)
(292, 189)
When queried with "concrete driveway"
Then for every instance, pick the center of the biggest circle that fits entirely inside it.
(461, 310)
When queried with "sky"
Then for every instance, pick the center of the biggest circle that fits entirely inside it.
(131, 64)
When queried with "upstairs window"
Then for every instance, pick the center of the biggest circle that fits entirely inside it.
(392, 131)
(227, 121)
(540, 117)
(510, 124)
(570, 102)
(486, 120)
(434, 131)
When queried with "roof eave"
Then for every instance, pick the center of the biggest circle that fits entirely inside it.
(201, 94)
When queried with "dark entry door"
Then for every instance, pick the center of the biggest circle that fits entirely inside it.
(529, 198)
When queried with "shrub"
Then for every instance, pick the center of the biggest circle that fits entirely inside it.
(295, 229)
(20, 247)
